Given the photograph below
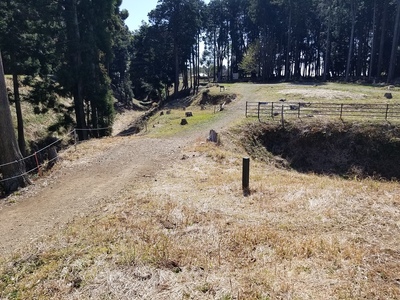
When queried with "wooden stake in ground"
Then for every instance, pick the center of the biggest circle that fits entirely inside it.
(246, 176)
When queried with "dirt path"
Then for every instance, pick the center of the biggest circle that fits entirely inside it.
(104, 168)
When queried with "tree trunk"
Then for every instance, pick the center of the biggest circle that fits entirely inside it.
(74, 38)
(198, 62)
(289, 41)
(317, 63)
(13, 173)
(20, 121)
(228, 63)
(194, 70)
(297, 71)
(351, 42)
(185, 84)
(176, 84)
(382, 41)
(215, 58)
(190, 72)
(395, 43)
(327, 51)
(373, 46)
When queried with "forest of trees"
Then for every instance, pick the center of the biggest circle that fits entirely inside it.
(82, 50)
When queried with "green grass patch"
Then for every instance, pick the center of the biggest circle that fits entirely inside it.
(317, 92)
(170, 124)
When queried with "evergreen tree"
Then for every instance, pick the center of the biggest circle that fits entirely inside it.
(182, 19)
(152, 62)
(17, 41)
(89, 44)
(122, 40)
(395, 43)
(218, 24)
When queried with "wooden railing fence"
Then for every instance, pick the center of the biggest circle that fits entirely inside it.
(282, 110)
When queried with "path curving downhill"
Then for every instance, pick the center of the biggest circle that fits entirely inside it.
(103, 168)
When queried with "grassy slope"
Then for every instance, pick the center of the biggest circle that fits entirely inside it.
(192, 235)
(35, 125)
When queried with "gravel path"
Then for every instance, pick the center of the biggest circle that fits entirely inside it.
(103, 169)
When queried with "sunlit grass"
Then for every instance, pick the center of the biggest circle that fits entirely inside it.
(322, 92)
(193, 235)
(167, 125)
(304, 235)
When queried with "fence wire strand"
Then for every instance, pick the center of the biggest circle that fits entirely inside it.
(73, 132)
(307, 109)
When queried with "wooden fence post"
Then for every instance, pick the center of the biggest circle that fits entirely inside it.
(387, 112)
(37, 164)
(75, 140)
(341, 110)
(298, 114)
(246, 175)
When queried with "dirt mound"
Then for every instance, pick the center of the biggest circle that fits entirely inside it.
(215, 99)
(333, 148)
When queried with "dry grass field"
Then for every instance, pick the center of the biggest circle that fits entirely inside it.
(190, 233)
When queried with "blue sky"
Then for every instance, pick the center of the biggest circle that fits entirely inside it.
(138, 10)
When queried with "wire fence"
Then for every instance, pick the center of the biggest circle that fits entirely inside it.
(282, 110)
(39, 163)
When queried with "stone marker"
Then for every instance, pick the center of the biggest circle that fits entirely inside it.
(388, 95)
(213, 136)
(184, 122)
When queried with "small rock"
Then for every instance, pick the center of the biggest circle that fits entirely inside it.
(213, 136)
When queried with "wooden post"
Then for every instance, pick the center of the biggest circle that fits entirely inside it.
(75, 142)
(37, 164)
(246, 109)
(246, 176)
(298, 114)
(272, 110)
(341, 110)
(282, 117)
(258, 112)
(387, 111)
